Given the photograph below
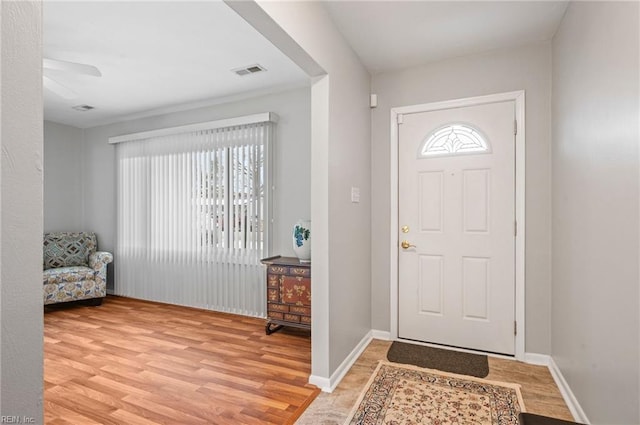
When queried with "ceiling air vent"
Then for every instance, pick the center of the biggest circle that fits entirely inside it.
(251, 69)
(83, 108)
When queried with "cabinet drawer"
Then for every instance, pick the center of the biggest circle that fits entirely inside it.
(300, 271)
(278, 269)
(295, 290)
(292, 318)
(272, 295)
(272, 280)
(306, 311)
(275, 315)
(278, 307)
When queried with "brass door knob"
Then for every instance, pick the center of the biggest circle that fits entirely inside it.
(406, 245)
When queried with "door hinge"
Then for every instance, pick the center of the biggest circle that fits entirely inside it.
(515, 127)
(515, 228)
(515, 327)
(400, 119)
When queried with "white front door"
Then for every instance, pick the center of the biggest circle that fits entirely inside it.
(456, 283)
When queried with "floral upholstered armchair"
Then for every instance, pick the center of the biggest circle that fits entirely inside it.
(73, 269)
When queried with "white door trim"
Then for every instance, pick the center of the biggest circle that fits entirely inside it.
(518, 98)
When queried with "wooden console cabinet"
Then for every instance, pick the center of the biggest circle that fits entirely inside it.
(288, 293)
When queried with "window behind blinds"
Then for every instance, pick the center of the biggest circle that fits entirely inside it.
(193, 218)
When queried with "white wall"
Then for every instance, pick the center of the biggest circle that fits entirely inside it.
(341, 149)
(292, 162)
(595, 301)
(527, 68)
(63, 205)
(21, 314)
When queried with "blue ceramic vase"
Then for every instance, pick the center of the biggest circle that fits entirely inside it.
(302, 240)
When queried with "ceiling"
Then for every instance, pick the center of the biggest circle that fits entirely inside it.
(155, 57)
(389, 35)
(158, 57)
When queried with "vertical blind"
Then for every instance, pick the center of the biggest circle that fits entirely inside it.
(193, 218)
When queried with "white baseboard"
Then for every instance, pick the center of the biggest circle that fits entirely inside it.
(323, 383)
(537, 359)
(383, 335)
(330, 384)
(567, 394)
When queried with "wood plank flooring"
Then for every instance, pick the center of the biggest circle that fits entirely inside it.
(136, 362)
(142, 363)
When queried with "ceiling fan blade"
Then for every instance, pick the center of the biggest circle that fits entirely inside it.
(58, 88)
(78, 68)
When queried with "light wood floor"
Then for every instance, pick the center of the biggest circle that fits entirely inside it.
(135, 362)
(539, 391)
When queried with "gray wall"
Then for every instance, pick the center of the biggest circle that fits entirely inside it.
(595, 303)
(292, 162)
(527, 68)
(63, 204)
(341, 137)
(21, 318)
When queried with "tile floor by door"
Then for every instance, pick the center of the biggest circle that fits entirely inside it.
(539, 391)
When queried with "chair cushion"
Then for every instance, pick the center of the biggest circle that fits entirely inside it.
(67, 274)
(67, 249)
(72, 284)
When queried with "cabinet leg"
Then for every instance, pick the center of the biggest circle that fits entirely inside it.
(268, 330)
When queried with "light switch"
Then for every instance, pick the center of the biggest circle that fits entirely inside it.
(355, 194)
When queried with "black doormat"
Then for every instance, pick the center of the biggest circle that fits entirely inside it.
(436, 358)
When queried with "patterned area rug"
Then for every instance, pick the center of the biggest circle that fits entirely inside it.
(403, 394)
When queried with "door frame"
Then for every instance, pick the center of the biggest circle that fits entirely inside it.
(519, 99)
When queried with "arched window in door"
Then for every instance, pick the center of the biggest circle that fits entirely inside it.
(454, 139)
